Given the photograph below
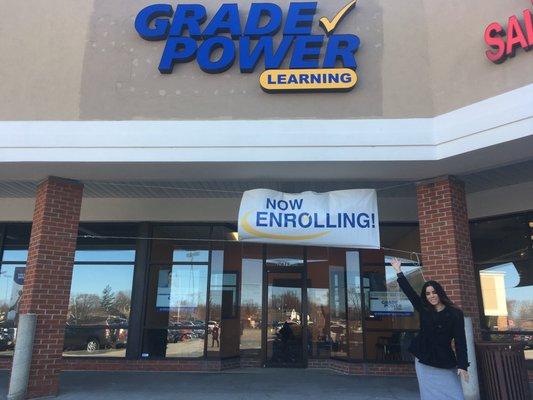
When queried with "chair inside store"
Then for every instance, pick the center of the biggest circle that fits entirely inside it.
(389, 348)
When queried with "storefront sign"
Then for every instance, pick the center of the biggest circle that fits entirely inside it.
(390, 303)
(505, 42)
(216, 44)
(344, 218)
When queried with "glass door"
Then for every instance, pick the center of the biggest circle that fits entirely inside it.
(284, 319)
(284, 332)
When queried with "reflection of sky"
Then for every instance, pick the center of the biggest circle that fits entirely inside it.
(94, 278)
(189, 285)
(252, 279)
(6, 283)
(318, 296)
(390, 273)
(353, 273)
(15, 255)
(104, 256)
(512, 279)
(274, 291)
(511, 276)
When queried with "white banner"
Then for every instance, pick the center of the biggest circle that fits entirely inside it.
(344, 218)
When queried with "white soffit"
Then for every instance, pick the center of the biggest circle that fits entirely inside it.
(490, 122)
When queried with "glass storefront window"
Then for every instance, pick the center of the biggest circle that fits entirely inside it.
(503, 255)
(204, 297)
(225, 289)
(390, 320)
(175, 320)
(215, 302)
(18, 256)
(318, 319)
(11, 283)
(334, 303)
(186, 305)
(355, 308)
(100, 301)
(251, 300)
(12, 271)
(106, 256)
(337, 303)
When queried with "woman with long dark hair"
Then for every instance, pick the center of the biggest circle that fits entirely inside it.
(438, 367)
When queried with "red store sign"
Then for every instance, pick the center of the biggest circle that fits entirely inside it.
(505, 42)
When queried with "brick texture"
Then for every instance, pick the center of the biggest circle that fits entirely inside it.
(364, 369)
(445, 242)
(48, 278)
(112, 364)
(117, 364)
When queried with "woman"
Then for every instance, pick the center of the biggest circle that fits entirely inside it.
(441, 321)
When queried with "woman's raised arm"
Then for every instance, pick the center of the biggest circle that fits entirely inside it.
(406, 286)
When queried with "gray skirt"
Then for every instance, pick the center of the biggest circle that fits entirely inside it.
(438, 383)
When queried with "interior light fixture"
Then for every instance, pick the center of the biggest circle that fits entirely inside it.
(235, 235)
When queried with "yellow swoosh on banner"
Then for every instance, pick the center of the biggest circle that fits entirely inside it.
(252, 231)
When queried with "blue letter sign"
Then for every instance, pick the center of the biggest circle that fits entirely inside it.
(190, 36)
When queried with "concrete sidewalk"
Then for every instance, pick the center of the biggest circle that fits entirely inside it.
(256, 384)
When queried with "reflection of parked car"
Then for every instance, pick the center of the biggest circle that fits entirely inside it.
(117, 332)
(186, 330)
(175, 336)
(199, 329)
(90, 338)
(109, 333)
(6, 339)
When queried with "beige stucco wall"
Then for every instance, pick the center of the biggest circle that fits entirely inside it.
(460, 74)
(418, 58)
(42, 47)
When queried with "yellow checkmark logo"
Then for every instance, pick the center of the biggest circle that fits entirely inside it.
(329, 26)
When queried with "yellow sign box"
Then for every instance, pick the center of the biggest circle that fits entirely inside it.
(317, 79)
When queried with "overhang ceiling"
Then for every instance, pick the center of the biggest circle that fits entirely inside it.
(506, 175)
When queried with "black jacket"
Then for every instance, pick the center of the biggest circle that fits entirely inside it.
(432, 345)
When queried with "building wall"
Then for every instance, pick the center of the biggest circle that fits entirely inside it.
(86, 62)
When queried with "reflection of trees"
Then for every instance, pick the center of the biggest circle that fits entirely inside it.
(123, 303)
(83, 307)
(521, 311)
(287, 301)
(250, 309)
(184, 311)
(108, 298)
(215, 311)
(89, 308)
(354, 303)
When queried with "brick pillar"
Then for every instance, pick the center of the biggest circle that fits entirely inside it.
(445, 242)
(48, 278)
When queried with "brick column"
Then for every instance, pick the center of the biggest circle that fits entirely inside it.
(48, 278)
(445, 242)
